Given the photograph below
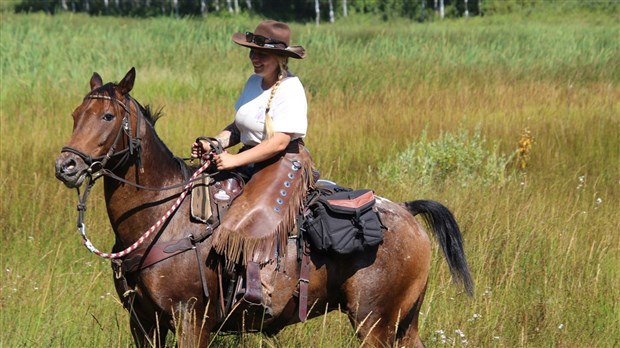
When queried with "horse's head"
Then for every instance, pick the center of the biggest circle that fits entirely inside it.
(102, 129)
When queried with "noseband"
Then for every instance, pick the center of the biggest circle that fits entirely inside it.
(97, 164)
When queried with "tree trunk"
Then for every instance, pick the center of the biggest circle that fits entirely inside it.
(466, 9)
(331, 12)
(248, 3)
(318, 12)
(442, 10)
(236, 6)
(345, 11)
(229, 4)
(203, 8)
(175, 8)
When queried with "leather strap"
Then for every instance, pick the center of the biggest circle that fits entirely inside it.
(158, 252)
(253, 288)
(201, 267)
(304, 280)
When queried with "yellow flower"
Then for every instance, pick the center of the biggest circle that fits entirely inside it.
(525, 147)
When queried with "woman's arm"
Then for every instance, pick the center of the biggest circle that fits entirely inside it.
(230, 136)
(261, 152)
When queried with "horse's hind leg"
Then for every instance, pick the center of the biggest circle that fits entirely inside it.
(395, 326)
(408, 334)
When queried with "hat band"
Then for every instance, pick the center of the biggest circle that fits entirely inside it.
(263, 41)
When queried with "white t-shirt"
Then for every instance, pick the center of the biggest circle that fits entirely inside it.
(289, 109)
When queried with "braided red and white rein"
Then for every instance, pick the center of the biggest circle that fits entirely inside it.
(134, 246)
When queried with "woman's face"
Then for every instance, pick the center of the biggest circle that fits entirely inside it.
(265, 64)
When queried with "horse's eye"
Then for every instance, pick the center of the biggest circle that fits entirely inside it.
(108, 117)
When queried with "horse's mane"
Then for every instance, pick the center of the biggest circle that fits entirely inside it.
(150, 115)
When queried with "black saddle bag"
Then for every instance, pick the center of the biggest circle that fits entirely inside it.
(344, 222)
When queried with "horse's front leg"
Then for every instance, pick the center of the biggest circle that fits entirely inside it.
(148, 334)
(192, 326)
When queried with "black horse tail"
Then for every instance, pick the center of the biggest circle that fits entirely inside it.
(446, 231)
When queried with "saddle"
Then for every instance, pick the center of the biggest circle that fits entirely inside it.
(212, 195)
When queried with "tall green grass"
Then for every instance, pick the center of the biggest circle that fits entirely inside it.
(543, 247)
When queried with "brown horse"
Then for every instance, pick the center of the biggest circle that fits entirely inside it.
(381, 289)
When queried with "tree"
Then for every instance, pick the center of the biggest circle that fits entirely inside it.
(317, 11)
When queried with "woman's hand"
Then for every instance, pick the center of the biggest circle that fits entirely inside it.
(226, 161)
(200, 148)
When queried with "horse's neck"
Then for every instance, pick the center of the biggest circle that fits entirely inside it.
(131, 210)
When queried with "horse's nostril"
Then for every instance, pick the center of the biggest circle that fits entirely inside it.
(68, 166)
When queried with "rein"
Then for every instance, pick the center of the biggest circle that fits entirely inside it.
(97, 169)
(82, 208)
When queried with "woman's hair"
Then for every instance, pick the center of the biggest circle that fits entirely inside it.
(282, 73)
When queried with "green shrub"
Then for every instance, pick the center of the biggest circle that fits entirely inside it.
(461, 159)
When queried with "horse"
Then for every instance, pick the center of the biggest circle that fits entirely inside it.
(380, 289)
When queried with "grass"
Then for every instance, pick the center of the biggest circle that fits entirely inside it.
(543, 246)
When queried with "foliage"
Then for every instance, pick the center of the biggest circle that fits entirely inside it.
(305, 10)
(453, 160)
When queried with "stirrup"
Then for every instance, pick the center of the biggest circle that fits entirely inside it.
(252, 298)
(259, 309)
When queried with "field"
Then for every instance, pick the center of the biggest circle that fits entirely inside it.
(512, 122)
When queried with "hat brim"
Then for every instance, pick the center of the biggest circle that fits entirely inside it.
(296, 52)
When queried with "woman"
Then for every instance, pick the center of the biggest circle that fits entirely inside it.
(271, 122)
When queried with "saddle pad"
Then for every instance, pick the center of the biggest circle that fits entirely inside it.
(201, 203)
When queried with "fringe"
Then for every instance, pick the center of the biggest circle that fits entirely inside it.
(239, 248)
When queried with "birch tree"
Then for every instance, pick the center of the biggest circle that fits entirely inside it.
(332, 19)
(203, 7)
(344, 8)
(442, 10)
(318, 12)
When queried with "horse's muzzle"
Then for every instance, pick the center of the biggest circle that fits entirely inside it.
(70, 169)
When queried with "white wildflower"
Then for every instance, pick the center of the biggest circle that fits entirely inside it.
(475, 317)
(582, 182)
(487, 292)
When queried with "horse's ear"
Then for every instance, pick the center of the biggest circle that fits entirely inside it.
(126, 84)
(95, 81)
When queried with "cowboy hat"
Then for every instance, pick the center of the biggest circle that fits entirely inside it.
(270, 36)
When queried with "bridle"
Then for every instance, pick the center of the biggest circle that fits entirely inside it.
(97, 164)
(96, 169)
